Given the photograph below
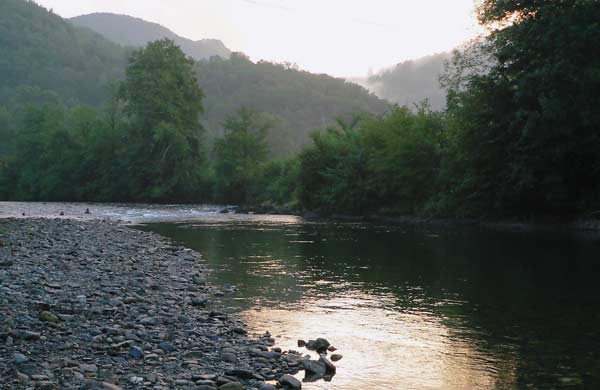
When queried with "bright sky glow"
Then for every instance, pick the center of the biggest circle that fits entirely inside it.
(339, 37)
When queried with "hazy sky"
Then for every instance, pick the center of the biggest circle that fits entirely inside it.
(339, 37)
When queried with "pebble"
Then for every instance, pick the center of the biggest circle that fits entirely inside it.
(96, 304)
(136, 352)
(20, 358)
(167, 347)
(232, 386)
(48, 317)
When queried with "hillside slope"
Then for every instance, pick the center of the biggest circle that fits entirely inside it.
(298, 101)
(44, 55)
(129, 31)
(40, 49)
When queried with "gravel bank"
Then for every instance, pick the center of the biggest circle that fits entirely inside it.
(95, 305)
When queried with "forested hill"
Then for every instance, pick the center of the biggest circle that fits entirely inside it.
(42, 52)
(45, 55)
(411, 81)
(129, 31)
(297, 101)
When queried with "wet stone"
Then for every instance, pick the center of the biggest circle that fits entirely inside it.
(289, 381)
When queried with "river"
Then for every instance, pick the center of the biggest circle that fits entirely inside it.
(414, 308)
(409, 307)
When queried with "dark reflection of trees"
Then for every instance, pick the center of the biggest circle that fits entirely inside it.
(531, 300)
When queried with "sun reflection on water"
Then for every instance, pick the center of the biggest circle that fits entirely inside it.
(382, 348)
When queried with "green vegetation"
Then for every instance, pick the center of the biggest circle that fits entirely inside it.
(297, 101)
(386, 163)
(238, 157)
(162, 104)
(39, 49)
(519, 136)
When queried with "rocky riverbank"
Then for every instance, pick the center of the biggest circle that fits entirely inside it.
(95, 305)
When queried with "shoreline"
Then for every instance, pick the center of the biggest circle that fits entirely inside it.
(95, 304)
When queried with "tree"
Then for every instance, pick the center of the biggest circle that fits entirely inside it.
(527, 130)
(162, 103)
(333, 170)
(238, 157)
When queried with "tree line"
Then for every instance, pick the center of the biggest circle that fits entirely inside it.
(520, 135)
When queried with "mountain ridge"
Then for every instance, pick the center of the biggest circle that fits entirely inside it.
(131, 31)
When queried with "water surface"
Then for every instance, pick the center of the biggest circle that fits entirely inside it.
(414, 308)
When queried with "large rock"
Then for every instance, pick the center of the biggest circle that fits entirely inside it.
(319, 345)
(314, 367)
(329, 366)
(290, 382)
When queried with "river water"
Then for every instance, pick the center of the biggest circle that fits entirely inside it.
(419, 308)
(414, 308)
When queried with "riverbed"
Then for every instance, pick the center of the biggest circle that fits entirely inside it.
(409, 307)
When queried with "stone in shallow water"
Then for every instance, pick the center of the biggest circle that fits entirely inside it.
(336, 357)
(314, 367)
(319, 345)
(329, 366)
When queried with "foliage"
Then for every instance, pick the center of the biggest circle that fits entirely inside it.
(238, 157)
(146, 146)
(519, 136)
(44, 52)
(39, 49)
(371, 163)
(162, 102)
(528, 129)
(298, 101)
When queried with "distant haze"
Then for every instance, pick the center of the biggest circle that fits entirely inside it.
(338, 37)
